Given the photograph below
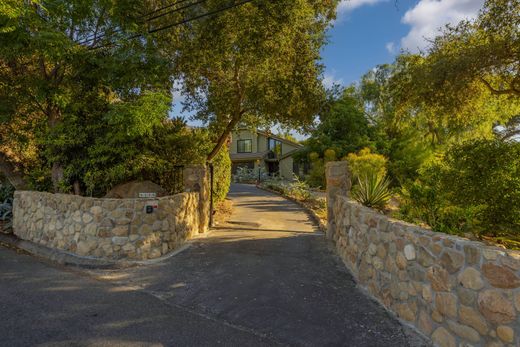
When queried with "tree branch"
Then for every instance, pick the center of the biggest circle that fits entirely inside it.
(499, 91)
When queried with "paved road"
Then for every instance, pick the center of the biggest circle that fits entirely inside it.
(266, 278)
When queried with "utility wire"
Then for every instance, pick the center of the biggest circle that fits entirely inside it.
(208, 14)
(185, 21)
(164, 7)
(175, 10)
(144, 21)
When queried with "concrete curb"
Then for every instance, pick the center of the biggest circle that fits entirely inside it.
(69, 259)
(321, 223)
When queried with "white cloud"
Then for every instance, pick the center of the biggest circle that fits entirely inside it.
(329, 80)
(391, 48)
(349, 5)
(428, 16)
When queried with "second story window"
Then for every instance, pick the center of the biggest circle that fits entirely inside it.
(244, 146)
(275, 146)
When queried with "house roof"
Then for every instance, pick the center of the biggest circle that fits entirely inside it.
(281, 139)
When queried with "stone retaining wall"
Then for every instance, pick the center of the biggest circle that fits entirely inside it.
(106, 228)
(457, 292)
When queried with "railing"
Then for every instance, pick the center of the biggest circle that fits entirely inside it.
(173, 179)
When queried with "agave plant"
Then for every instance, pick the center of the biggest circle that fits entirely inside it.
(372, 191)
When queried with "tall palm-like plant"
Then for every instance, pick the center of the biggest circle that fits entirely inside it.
(372, 190)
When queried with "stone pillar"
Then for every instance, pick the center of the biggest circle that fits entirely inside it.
(338, 183)
(196, 179)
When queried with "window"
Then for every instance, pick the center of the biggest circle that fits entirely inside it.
(244, 146)
(275, 146)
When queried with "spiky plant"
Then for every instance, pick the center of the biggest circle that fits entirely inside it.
(372, 191)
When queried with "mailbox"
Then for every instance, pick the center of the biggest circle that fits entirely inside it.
(151, 206)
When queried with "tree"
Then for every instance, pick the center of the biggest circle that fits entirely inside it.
(258, 64)
(66, 60)
(470, 76)
(343, 127)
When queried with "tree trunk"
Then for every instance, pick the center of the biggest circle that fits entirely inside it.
(223, 137)
(57, 176)
(13, 176)
(77, 188)
(57, 171)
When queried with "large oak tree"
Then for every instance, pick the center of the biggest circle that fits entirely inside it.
(258, 64)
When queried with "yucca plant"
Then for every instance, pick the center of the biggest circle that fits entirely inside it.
(372, 191)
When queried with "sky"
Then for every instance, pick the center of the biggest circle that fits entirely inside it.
(367, 33)
(372, 32)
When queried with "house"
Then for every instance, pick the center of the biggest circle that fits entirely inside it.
(261, 150)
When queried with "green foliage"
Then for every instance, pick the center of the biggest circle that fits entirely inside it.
(485, 175)
(316, 176)
(246, 175)
(474, 187)
(365, 163)
(407, 152)
(474, 54)
(6, 204)
(343, 128)
(259, 70)
(57, 91)
(6, 191)
(299, 190)
(222, 175)
(372, 190)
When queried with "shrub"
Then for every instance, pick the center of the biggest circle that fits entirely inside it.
(316, 176)
(365, 163)
(222, 175)
(6, 206)
(484, 176)
(6, 191)
(299, 190)
(245, 175)
(372, 190)
(474, 187)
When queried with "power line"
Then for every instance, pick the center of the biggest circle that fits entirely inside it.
(164, 7)
(207, 14)
(175, 10)
(144, 21)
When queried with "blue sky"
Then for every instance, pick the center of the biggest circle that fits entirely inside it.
(372, 32)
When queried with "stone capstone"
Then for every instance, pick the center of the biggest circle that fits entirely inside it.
(132, 189)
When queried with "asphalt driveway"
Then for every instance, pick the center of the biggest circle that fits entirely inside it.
(265, 278)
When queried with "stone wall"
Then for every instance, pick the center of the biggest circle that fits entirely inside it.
(196, 179)
(107, 228)
(457, 292)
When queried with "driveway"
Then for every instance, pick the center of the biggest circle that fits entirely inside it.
(265, 278)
